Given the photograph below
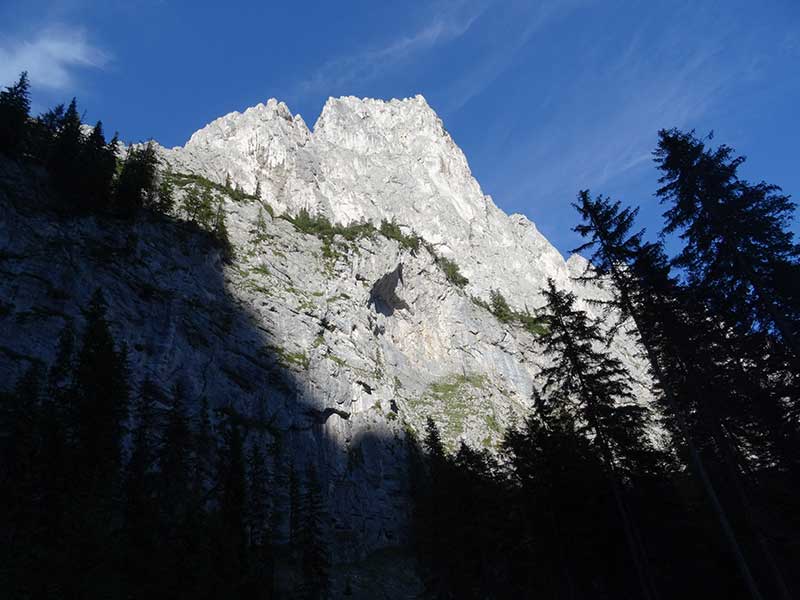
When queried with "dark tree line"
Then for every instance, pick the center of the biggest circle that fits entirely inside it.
(579, 502)
(84, 167)
(110, 490)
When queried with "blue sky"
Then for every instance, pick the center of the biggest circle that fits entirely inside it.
(545, 98)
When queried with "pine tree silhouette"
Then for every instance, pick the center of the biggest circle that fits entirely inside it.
(15, 105)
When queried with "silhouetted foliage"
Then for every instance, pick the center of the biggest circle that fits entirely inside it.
(83, 166)
(451, 271)
(137, 186)
(15, 105)
(728, 387)
(157, 510)
(739, 252)
(391, 230)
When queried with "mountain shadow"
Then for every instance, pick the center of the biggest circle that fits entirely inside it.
(270, 493)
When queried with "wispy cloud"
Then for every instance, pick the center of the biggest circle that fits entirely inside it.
(609, 114)
(508, 36)
(613, 94)
(448, 22)
(51, 57)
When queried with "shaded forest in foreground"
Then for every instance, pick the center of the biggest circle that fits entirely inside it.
(111, 490)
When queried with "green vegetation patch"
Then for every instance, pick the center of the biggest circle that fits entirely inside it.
(450, 400)
(499, 307)
(392, 231)
(451, 271)
(290, 359)
(236, 194)
(320, 226)
(450, 387)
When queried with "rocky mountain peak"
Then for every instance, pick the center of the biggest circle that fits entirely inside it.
(369, 159)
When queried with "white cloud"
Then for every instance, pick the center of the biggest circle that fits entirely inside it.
(51, 57)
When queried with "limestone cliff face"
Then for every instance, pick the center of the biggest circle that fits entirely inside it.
(341, 350)
(371, 159)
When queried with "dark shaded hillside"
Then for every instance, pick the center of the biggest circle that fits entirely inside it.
(167, 303)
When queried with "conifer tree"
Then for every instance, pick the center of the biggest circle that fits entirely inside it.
(742, 265)
(258, 520)
(144, 443)
(98, 167)
(500, 307)
(313, 549)
(18, 443)
(101, 396)
(293, 488)
(42, 132)
(739, 252)
(232, 485)
(166, 197)
(561, 515)
(136, 186)
(704, 392)
(590, 383)
(140, 510)
(59, 374)
(205, 451)
(220, 232)
(15, 107)
(675, 327)
(258, 517)
(65, 157)
(175, 460)
(592, 387)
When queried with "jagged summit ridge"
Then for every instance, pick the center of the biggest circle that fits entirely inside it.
(369, 159)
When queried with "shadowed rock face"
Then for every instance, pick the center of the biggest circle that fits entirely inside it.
(383, 295)
(339, 351)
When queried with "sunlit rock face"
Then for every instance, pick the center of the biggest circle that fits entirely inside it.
(344, 350)
(371, 160)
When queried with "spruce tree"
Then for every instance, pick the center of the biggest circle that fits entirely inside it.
(205, 449)
(258, 517)
(140, 511)
(220, 232)
(100, 396)
(560, 509)
(166, 197)
(314, 561)
(136, 186)
(97, 170)
(704, 393)
(15, 107)
(739, 252)
(258, 520)
(500, 307)
(65, 158)
(293, 489)
(232, 490)
(175, 460)
(743, 266)
(592, 386)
